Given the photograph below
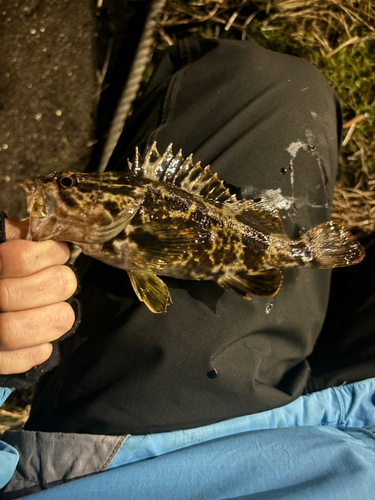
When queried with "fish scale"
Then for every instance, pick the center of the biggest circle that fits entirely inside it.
(166, 216)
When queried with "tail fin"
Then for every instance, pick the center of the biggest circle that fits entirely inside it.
(331, 245)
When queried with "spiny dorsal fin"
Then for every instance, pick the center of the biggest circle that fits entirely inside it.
(191, 177)
(134, 167)
(181, 173)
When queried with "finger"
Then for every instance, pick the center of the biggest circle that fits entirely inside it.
(22, 360)
(15, 229)
(22, 329)
(49, 286)
(23, 258)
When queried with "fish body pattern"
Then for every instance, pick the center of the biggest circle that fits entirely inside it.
(166, 216)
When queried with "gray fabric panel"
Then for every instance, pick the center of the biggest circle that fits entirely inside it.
(51, 458)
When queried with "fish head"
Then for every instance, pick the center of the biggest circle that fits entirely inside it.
(78, 207)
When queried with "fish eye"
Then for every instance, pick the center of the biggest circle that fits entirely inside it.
(67, 181)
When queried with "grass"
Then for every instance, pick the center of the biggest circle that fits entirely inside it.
(338, 37)
(15, 411)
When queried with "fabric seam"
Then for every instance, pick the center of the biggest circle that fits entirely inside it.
(342, 420)
(368, 433)
(169, 103)
(114, 452)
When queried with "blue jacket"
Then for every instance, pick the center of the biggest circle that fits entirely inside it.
(321, 446)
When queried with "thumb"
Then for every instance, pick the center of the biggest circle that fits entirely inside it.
(15, 229)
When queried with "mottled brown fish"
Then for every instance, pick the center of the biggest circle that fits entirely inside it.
(166, 216)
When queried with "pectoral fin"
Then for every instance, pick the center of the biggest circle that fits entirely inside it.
(151, 290)
(163, 243)
(264, 283)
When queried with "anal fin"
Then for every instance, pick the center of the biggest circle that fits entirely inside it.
(263, 283)
(151, 290)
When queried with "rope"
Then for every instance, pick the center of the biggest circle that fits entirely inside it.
(129, 93)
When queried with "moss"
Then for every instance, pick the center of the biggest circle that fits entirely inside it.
(313, 30)
(351, 72)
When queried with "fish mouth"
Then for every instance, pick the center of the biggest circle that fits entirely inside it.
(40, 207)
(37, 225)
(35, 198)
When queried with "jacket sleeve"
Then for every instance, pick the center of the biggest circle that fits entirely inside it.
(8, 455)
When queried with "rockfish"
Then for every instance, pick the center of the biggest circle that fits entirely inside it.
(166, 216)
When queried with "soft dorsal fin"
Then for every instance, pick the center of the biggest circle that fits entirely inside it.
(180, 172)
(260, 216)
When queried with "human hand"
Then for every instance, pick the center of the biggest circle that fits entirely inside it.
(34, 285)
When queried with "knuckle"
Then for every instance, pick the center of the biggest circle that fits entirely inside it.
(17, 258)
(8, 332)
(8, 364)
(65, 280)
(59, 250)
(23, 360)
(65, 317)
(5, 295)
(41, 353)
(26, 260)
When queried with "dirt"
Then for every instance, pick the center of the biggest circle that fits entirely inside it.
(55, 107)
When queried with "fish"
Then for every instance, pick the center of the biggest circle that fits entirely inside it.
(165, 215)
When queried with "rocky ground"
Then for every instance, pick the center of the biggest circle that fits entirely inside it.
(63, 64)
